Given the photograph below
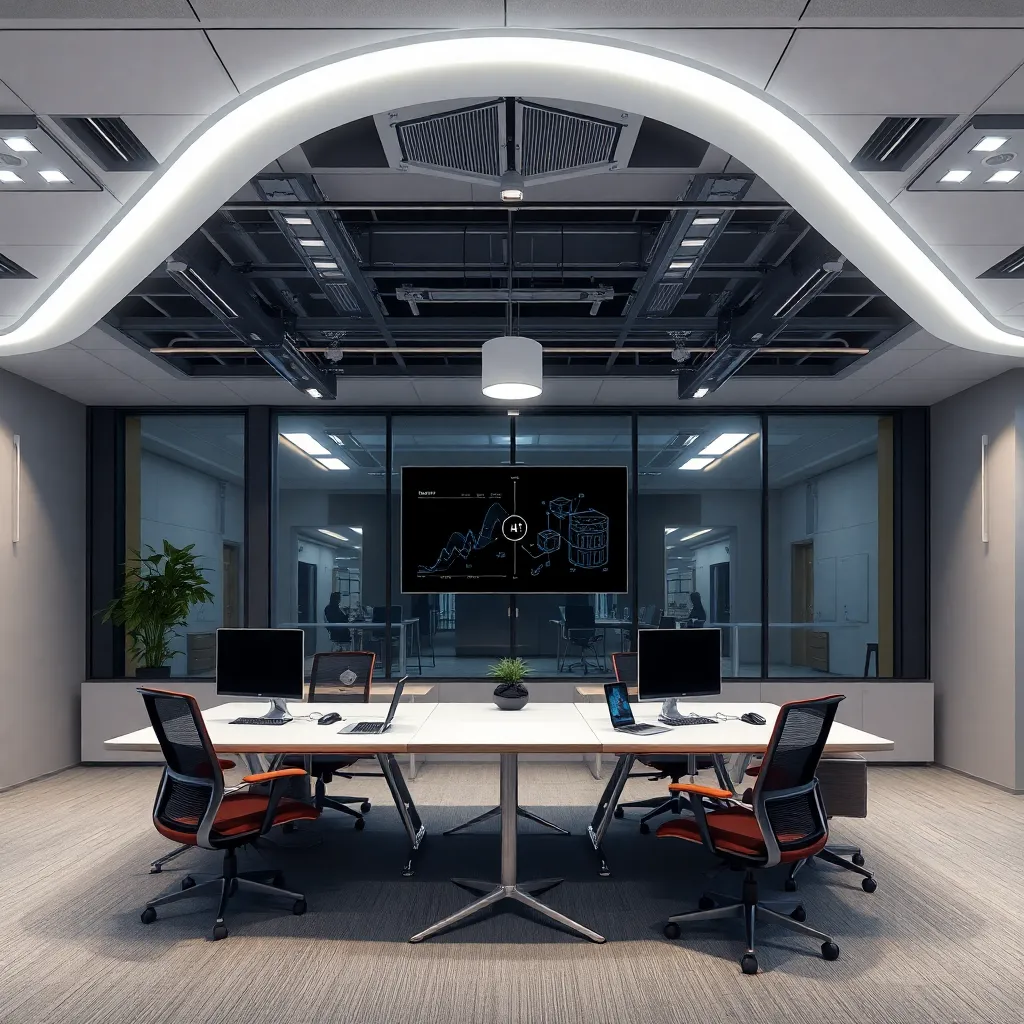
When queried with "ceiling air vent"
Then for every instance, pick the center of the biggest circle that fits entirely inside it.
(897, 142)
(110, 142)
(341, 294)
(1010, 268)
(554, 140)
(466, 140)
(10, 271)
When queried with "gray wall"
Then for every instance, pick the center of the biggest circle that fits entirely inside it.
(42, 581)
(975, 588)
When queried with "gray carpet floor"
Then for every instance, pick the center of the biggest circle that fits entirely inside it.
(938, 942)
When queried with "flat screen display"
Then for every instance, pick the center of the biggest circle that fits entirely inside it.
(260, 663)
(679, 663)
(514, 530)
(619, 710)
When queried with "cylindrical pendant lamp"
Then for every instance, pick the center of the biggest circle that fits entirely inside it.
(512, 368)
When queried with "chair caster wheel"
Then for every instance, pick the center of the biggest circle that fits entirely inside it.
(671, 930)
(858, 859)
(619, 813)
(749, 964)
(365, 807)
(187, 882)
(799, 914)
(829, 950)
(705, 903)
(148, 916)
(219, 932)
(360, 824)
(790, 885)
(299, 907)
(644, 828)
(869, 885)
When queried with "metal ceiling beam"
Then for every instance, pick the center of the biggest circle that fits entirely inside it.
(383, 207)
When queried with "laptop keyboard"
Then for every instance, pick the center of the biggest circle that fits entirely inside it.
(367, 727)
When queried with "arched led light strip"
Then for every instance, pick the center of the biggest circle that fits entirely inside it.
(246, 135)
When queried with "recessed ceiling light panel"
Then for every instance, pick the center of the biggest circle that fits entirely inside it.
(1002, 177)
(989, 144)
(54, 177)
(955, 176)
(19, 144)
(697, 462)
(38, 160)
(307, 443)
(10, 177)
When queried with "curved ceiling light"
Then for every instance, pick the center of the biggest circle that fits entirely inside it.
(246, 135)
(512, 368)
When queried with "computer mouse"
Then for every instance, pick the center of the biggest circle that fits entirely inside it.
(329, 719)
(752, 718)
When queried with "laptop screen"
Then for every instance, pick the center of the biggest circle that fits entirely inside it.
(399, 686)
(617, 697)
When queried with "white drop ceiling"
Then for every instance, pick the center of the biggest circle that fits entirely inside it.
(166, 64)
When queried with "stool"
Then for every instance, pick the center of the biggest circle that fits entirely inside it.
(872, 649)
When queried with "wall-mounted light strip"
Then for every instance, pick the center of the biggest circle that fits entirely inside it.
(984, 488)
(16, 524)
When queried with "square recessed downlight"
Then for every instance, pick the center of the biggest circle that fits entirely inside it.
(692, 243)
(989, 144)
(705, 221)
(1002, 177)
(19, 145)
(680, 265)
(723, 443)
(298, 221)
(332, 463)
(54, 177)
(696, 463)
(955, 176)
(313, 243)
(9, 177)
(307, 443)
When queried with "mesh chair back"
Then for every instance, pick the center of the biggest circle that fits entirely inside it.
(194, 779)
(342, 676)
(625, 666)
(786, 799)
(579, 621)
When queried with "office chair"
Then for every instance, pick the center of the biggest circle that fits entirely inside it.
(665, 766)
(341, 639)
(194, 809)
(785, 823)
(582, 632)
(327, 686)
(666, 622)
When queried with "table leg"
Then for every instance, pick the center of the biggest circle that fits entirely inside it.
(412, 756)
(508, 888)
(735, 630)
(406, 807)
(606, 808)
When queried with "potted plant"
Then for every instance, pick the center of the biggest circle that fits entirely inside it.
(158, 591)
(510, 694)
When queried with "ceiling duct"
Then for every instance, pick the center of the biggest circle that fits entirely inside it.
(467, 140)
(110, 142)
(554, 141)
(897, 142)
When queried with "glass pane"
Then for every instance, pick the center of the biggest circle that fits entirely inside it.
(451, 635)
(329, 531)
(565, 635)
(699, 530)
(829, 487)
(185, 484)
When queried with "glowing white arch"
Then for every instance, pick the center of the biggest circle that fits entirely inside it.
(238, 141)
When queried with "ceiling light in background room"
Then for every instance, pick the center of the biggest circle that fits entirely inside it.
(325, 264)
(1002, 177)
(696, 463)
(670, 529)
(356, 529)
(955, 176)
(54, 177)
(989, 144)
(313, 243)
(9, 177)
(307, 443)
(331, 533)
(692, 243)
(723, 443)
(336, 439)
(690, 439)
(700, 222)
(314, 393)
(332, 463)
(303, 222)
(512, 368)
(511, 187)
(680, 265)
(700, 392)
(699, 533)
(17, 144)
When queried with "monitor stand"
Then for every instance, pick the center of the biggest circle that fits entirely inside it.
(669, 708)
(278, 710)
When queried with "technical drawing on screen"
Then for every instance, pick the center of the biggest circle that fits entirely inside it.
(514, 529)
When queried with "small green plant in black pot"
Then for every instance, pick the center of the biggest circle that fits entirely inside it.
(510, 694)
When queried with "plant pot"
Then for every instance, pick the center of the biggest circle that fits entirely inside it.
(511, 696)
(160, 672)
(511, 703)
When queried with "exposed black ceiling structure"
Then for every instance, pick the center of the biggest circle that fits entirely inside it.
(709, 282)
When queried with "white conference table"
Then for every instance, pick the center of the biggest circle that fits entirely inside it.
(538, 728)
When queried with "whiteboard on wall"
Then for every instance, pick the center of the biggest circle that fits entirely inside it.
(825, 590)
(852, 587)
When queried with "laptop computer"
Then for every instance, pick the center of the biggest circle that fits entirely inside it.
(379, 726)
(621, 713)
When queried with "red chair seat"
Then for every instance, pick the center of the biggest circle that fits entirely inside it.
(242, 813)
(735, 831)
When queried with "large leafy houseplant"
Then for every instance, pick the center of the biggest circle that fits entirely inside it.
(158, 591)
(510, 694)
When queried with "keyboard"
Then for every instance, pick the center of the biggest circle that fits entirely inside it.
(687, 720)
(259, 721)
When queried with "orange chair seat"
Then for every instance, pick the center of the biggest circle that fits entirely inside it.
(735, 831)
(241, 814)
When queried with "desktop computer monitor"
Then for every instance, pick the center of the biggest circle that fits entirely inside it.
(261, 663)
(674, 663)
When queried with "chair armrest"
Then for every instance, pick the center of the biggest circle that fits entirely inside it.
(710, 791)
(281, 773)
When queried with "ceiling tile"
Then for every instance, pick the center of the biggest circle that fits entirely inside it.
(44, 261)
(53, 218)
(135, 364)
(964, 218)
(895, 71)
(106, 392)
(65, 13)
(9, 103)
(887, 364)
(824, 392)
(191, 392)
(161, 133)
(663, 13)
(115, 72)
(968, 261)
(1009, 97)
(100, 336)
(954, 362)
(640, 391)
(911, 392)
(750, 54)
(63, 363)
(918, 338)
(750, 391)
(262, 391)
(358, 13)
(952, 12)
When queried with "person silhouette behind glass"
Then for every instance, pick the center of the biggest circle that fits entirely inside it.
(333, 612)
(697, 614)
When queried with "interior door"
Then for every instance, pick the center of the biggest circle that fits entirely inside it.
(802, 600)
(307, 592)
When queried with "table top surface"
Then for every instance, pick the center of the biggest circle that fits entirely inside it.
(540, 727)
